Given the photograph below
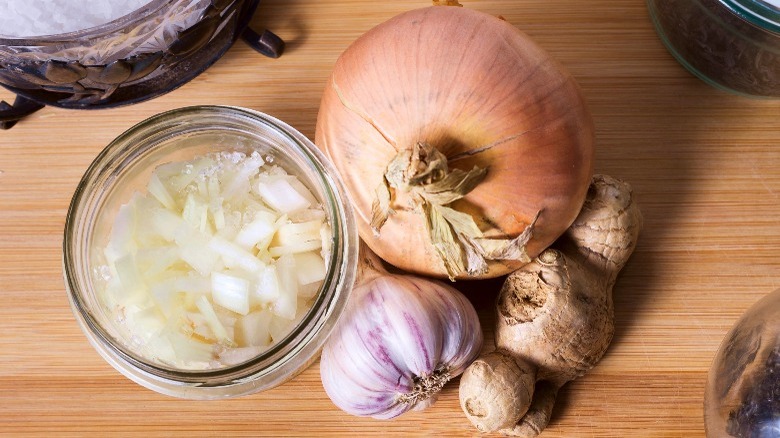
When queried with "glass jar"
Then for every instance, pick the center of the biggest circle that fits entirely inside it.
(125, 166)
(742, 396)
(731, 44)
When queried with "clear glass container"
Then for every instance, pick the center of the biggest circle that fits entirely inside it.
(125, 166)
(731, 44)
(742, 396)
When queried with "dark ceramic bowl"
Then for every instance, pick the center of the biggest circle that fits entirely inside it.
(149, 52)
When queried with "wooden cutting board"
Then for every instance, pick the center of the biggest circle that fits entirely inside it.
(703, 163)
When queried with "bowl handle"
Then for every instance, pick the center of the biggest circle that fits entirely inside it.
(22, 107)
(267, 43)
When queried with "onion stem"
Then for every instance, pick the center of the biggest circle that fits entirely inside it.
(424, 173)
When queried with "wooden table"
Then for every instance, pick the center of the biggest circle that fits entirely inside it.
(703, 163)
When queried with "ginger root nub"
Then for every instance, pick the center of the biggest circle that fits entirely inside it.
(555, 314)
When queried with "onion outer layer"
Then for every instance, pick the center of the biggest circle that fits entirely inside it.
(483, 94)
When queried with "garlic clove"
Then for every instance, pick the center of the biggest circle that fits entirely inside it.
(362, 347)
(370, 402)
(463, 329)
(410, 329)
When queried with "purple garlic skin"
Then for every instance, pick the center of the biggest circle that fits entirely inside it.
(400, 340)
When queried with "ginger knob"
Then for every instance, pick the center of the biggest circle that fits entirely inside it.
(555, 317)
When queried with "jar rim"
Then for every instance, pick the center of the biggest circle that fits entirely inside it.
(305, 339)
(128, 20)
(757, 12)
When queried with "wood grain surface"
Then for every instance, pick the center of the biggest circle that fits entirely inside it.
(705, 167)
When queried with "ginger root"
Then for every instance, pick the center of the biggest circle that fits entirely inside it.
(555, 317)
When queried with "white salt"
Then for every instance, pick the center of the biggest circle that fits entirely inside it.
(27, 18)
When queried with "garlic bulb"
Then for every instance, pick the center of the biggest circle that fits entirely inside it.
(400, 340)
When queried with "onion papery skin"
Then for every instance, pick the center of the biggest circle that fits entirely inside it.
(481, 92)
(396, 331)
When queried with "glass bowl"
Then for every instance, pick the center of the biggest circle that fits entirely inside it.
(144, 54)
(125, 167)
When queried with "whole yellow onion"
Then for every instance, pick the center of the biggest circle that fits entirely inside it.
(465, 148)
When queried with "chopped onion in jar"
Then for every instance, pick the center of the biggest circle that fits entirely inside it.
(220, 259)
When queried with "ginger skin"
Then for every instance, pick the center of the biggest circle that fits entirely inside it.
(555, 317)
